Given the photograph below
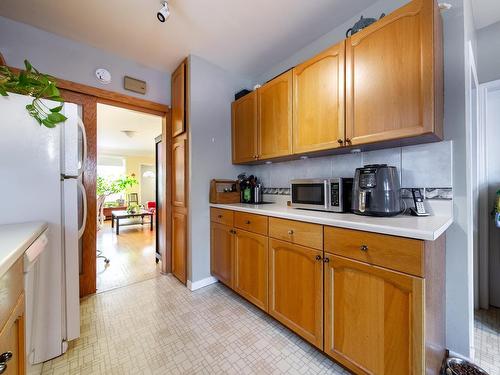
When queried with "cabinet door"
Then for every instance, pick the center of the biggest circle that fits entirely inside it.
(179, 245)
(275, 117)
(12, 340)
(179, 100)
(296, 289)
(390, 76)
(179, 171)
(318, 102)
(244, 128)
(222, 253)
(251, 267)
(373, 318)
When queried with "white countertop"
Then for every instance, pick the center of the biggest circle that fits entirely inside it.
(15, 239)
(422, 228)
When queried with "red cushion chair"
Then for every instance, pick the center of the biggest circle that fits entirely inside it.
(151, 207)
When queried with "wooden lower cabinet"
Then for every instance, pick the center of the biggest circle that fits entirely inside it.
(222, 253)
(251, 267)
(12, 340)
(179, 245)
(296, 289)
(374, 318)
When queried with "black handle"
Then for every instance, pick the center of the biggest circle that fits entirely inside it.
(219, 216)
(3, 367)
(340, 141)
(326, 260)
(318, 257)
(5, 357)
(363, 248)
(247, 222)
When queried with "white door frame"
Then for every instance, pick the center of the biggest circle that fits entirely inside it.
(484, 205)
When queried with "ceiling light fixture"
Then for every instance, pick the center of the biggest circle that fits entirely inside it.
(164, 12)
(129, 133)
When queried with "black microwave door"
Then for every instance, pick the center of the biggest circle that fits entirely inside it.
(308, 194)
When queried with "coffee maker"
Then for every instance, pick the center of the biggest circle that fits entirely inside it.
(376, 191)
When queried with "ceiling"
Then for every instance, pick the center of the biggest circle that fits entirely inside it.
(486, 12)
(111, 121)
(246, 37)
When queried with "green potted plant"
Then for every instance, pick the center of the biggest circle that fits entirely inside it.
(106, 187)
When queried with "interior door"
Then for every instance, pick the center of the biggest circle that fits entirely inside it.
(373, 318)
(389, 76)
(179, 171)
(318, 101)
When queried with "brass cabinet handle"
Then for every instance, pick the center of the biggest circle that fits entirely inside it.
(318, 257)
(326, 260)
(348, 141)
(363, 248)
(247, 222)
(220, 216)
(290, 232)
(340, 141)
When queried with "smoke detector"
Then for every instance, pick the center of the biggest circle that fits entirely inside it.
(103, 76)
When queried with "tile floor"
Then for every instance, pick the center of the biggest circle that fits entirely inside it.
(131, 254)
(159, 327)
(487, 340)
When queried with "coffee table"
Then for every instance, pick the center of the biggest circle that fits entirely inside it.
(119, 215)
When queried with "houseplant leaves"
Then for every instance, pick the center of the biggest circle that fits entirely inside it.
(38, 85)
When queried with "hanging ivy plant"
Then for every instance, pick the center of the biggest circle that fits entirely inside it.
(38, 85)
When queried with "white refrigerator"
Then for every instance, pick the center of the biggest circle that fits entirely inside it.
(40, 180)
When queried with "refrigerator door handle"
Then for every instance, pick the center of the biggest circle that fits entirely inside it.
(84, 200)
(81, 125)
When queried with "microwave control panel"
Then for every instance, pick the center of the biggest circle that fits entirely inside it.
(335, 194)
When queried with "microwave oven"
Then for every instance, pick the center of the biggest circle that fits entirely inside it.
(322, 194)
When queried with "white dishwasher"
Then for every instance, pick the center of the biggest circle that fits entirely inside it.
(33, 300)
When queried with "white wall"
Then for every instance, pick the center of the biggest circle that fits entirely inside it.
(74, 61)
(493, 163)
(211, 92)
(488, 53)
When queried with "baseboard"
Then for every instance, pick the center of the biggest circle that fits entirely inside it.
(201, 283)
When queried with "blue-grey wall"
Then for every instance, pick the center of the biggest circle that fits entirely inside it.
(488, 53)
(211, 93)
(74, 61)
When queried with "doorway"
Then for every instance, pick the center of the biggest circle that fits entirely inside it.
(126, 196)
(487, 265)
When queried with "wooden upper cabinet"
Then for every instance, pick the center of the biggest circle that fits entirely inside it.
(275, 117)
(178, 99)
(179, 246)
(373, 318)
(394, 74)
(244, 128)
(296, 289)
(251, 267)
(179, 172)
(318, 101)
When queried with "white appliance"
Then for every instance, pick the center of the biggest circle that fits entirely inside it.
(40, 171)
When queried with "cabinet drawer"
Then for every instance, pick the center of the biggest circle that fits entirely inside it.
(297, 232)
(250, 222)
(11, 287)
(221, 216)
(397, 253)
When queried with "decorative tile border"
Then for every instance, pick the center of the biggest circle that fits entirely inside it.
(427, 193)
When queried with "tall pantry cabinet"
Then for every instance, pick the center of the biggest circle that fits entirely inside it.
(180, 172)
